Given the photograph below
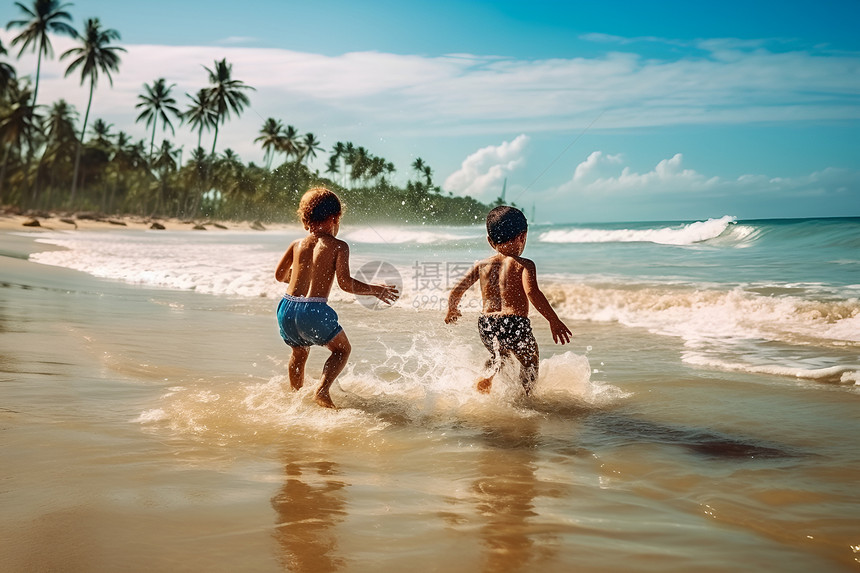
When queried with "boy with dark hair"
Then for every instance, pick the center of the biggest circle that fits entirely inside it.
(508, 283)
(310, 266)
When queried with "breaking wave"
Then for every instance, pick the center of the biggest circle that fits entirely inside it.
(686, 234)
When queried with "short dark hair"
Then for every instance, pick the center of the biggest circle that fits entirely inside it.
(317, 205)
(505, 224)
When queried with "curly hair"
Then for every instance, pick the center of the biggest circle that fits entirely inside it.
(505, 224)
(317, 205)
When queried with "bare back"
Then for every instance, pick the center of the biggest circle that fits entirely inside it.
(309, 265)
(502, 285)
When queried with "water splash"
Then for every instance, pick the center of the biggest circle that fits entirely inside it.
(425, 385)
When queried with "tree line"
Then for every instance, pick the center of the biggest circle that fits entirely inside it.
(53, 160)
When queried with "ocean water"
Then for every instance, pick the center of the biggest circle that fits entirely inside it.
(704, 416)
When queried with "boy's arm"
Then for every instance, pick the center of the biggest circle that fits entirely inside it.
(386, 293)
(284, 268)
(458, 291)
(560, 332)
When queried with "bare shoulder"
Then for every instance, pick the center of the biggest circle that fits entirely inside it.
(328, 242)
(514, 263)
(484, 262)
(337, 244)
(527, 264)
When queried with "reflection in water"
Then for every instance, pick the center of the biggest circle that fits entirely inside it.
(505, 493)
(308, 505)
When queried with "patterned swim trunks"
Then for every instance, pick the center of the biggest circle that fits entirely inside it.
(507, 333)
(503, 335)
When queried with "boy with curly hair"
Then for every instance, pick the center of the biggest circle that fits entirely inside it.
(309, 266)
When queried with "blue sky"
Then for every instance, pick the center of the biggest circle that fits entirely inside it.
(593, 111)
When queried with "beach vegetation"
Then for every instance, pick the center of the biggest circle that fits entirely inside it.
(54, 158)
(94, 55)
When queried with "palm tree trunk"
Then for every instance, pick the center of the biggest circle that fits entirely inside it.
(80, 144)
(35, 191)
(38, 73)
(215, 139)
(152, 139)
(3, 170)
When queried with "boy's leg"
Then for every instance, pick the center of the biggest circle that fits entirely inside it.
(297, 366)
(494, 364)
(340, 349)
(529, 358)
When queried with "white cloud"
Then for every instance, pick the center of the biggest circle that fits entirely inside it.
(590, 169)
(668, 176)
(482, 173)
(602, 185)
(468, 94)
(374, 97)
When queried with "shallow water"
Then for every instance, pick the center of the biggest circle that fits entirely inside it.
(152, 429)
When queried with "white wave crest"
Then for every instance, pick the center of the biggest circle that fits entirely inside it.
(688, 234)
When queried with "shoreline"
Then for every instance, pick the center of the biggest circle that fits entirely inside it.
(89, 221)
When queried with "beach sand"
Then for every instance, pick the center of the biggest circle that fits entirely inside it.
(98, 222)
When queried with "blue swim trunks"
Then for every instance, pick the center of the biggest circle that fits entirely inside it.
(307, 321)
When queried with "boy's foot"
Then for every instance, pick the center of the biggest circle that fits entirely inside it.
(295, 387)
(484, 385)
(323, 399)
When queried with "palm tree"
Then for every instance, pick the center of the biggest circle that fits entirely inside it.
(225, 94)
(45, 16)
(269, 138)
(59, 125)
(157, 104)
(337, 157)
(289, 142)
(121, 163)
(7, 73)
(18, 123)
(348, 152)
(165, 164)
(376, 167)
(428, 175)
(418, 165)
(332, 165)
(359, 162)
(199, 164)
(61, 137)
(100, 131)
(338, 149)
(165, 161)
(310, 146)
(200, 114)
(228, 173)
(94, 55)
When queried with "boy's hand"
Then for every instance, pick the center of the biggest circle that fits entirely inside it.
(560, 332)
(453, 315)
(386, 293)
